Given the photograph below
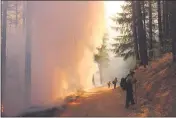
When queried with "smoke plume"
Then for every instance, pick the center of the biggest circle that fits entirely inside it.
(64, 38)
(65, 35)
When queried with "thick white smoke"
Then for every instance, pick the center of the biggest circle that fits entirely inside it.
(64, 38)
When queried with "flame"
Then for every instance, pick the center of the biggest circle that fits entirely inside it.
(2, 108)
(74, 103)
(66, 47)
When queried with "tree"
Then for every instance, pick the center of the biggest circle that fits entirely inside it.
(135, 38)
(23, 15)
(159, 22)
(3, 50)
(143, 11)
(102, 56)
(141, 36)
(150, 29)
(138, 31)
(124, 44)
(166, 27)
(28, 54)
(172, 9)
(16, 10)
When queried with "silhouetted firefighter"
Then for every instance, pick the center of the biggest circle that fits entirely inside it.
(129, 89)
(115, 82)
(123, 83)
(128, 86)
(109, 84)
(93, 80)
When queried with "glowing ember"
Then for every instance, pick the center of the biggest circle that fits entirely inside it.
(74, 103)
(2, 108)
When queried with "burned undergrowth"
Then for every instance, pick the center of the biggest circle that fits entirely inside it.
(156, 88)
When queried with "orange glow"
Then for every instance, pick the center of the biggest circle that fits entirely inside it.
(74, 103)
(94, 91)
(2, 108)
(57, 92)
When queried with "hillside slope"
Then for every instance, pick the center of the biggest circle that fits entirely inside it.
(157, 88)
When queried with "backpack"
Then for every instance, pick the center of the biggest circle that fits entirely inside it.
(123, 83)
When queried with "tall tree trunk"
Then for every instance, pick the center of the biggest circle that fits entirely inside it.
(159, 22)
(24, 13)
(172, 6)
(143, 11)
(101, 74)
(28, 54)
(165, 24)
(16, 15)
(166, 19)
(143, 15)
(168, 23)
(135, 38)
(150, 29)
(141, 36)
(3, 52)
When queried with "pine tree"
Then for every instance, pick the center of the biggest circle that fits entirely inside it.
(124, 46)
(127, 44)
(102, 57)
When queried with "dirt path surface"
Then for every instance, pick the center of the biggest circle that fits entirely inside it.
(99, 102)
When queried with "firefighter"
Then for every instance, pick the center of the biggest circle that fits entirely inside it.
(115, 82)
(109, 84)
(129, 89)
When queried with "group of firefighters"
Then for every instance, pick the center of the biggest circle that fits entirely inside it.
(127, 85)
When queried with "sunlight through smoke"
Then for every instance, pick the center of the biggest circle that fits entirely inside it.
(65, 36)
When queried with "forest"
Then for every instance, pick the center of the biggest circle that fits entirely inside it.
(146, 26)
(147, 32)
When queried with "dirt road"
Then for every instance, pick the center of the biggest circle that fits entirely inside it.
(99, 102)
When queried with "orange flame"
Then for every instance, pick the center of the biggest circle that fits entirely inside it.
(74, 103)
(2, 108)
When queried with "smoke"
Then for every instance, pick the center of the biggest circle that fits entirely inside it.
(14, 84)
(118, 68)
(65, 35)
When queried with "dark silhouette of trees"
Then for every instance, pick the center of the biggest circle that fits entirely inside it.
(150, 30)
(141, 35)
(3, 51)
(135, 37)
(159, 22)
(138, 29)
(172, 14)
